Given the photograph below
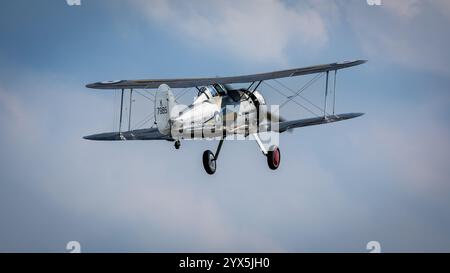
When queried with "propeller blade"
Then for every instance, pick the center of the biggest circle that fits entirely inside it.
(271, 116)
(274, 117)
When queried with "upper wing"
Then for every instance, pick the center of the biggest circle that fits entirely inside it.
(291, 124)
(193, 82)
(141, 134)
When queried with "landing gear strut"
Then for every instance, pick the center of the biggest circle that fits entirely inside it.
(273, 157)
(272, 154)
(209, 159)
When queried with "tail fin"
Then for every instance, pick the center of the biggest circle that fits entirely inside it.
(164, 103)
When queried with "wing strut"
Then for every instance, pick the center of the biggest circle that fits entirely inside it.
(334, 91)
(326, 94)
(129, 115)
(121, 108)
(256, 87)
(325, 114)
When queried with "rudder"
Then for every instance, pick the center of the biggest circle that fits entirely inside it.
(164, 103)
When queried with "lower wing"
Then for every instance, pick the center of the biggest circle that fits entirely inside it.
(291, 124)
(141, 134)
(154, 134)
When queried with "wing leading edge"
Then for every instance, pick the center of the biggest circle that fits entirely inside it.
(193, 82)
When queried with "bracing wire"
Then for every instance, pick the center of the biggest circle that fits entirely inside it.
(281, 93)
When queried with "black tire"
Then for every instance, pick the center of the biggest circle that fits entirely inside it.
(209, 162)
(177, 144)
(274, 157)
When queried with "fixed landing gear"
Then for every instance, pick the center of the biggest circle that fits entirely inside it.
(273, 157)
(272, 154)
(210, 159)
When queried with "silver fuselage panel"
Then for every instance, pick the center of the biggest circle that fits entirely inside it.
(216, 117)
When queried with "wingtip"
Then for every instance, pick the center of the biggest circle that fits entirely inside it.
(361, 61)
(356, 115)
(350, 115)
(91, 137)
(90, 85)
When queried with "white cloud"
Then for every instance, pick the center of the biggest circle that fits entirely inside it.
(257, 30)
(412, 34)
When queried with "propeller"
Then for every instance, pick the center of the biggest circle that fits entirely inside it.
(275, 117)
(265, 113)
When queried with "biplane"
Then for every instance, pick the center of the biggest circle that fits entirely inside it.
(220, 111)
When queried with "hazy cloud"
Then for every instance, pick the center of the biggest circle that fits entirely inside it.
(409, 33)
(405, 8)
(256, 30)
(416, 156)
(413, 8)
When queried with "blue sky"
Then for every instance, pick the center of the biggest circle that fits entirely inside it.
(380, 177)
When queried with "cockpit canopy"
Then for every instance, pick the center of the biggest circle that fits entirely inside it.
(210, 91)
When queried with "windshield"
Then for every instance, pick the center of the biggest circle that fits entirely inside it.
(206, 93)
(220, 89)
(211, 91)
(236, 95)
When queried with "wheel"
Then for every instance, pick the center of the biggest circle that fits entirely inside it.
(274, 157)
(209, 162)
(177, 144)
